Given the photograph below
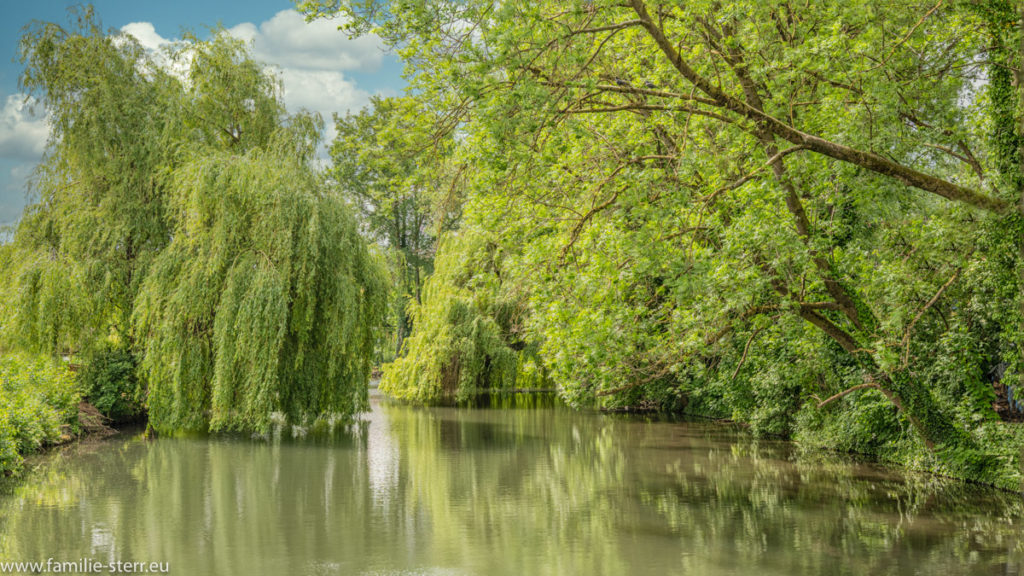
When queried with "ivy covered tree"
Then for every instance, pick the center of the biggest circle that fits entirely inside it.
(181, 221)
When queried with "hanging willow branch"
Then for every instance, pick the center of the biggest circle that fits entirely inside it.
(265, 301)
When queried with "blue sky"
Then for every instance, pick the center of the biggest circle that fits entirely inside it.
(322, 70)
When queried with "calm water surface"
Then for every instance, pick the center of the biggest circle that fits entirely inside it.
(530, 491)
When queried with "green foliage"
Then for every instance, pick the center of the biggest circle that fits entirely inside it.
(864, 423)
(265, 301)
(80, 252)
(109, 382)
(392, 166)
(470, 330)
(183, 230)
(734, 208)
(37, 398)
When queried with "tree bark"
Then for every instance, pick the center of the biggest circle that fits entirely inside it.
(1019, 78)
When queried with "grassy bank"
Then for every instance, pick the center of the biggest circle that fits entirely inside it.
(38, 407)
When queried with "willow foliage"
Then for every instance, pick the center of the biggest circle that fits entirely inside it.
(264, 301)
(181, 221)
(81, 250)
(470, 330)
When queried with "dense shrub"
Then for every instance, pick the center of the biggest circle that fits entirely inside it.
(110, 383)
(37, 397)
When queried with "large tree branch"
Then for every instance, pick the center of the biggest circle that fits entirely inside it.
(638, 107)
(778, 128)
(751, 91)
(627, 89)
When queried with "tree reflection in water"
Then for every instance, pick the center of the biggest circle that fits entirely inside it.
(529, 491)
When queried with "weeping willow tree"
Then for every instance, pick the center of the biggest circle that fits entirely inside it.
(470, 334)
(181, 219)
(82, 248)
(266, 299)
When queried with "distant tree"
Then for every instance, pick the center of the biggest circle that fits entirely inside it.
(392, 164)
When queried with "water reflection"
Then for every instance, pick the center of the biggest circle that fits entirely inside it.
(531, 491)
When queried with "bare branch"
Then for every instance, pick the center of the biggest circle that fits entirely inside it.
(835, 397)
(920, 313)
(746, 349)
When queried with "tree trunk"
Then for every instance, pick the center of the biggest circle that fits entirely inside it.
(1019, 180)
(401, 326)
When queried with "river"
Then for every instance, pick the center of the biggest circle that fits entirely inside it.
(407, 490)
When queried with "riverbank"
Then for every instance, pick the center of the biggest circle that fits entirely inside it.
(43, 407)
(39, 407)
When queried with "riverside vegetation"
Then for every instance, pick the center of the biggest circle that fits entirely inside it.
(803, 218)
(807, 219)
(181, 246)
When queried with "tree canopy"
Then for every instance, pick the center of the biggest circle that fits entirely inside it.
(180, 218)
(801, 218)
(394, 166)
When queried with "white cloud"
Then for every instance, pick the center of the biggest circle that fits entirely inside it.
(146, 34)
(14, 192)
(22, 133)
(311, 58)
(288, 41)
(324, 91)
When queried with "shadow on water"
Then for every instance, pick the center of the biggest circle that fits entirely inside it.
(543, 490)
